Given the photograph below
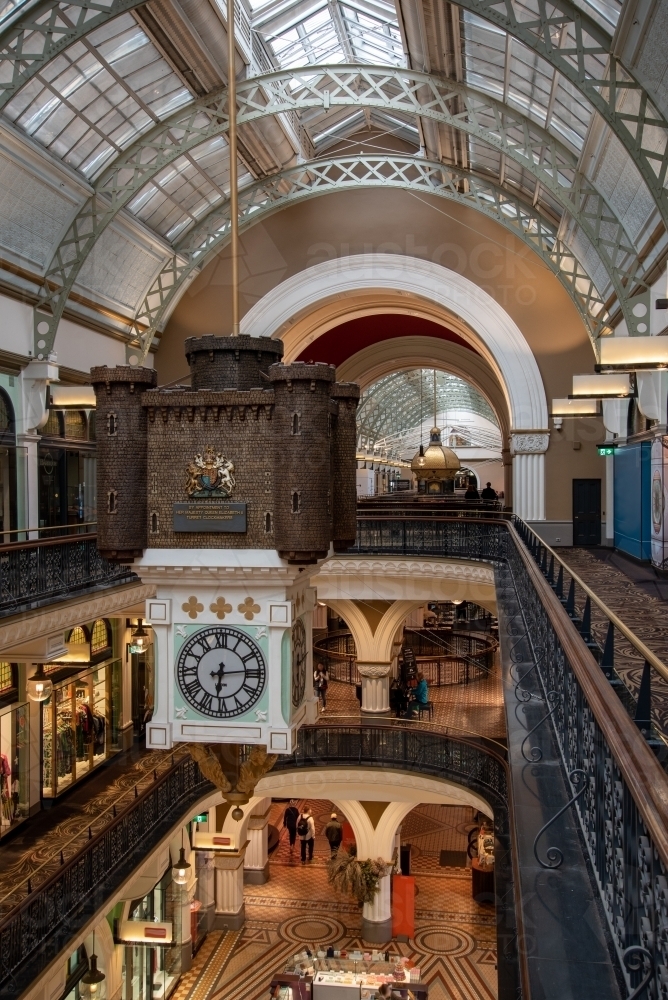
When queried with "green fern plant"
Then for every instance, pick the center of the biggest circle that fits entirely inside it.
(359, 879)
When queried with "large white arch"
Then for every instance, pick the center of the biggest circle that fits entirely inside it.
(475, 315)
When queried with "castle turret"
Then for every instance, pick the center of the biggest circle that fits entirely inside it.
(121, 459)
(231, 362)
(302, 461)
(344, 486)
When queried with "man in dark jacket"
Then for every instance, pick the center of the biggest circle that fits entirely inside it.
(488, 493)
(290, 818)
(334, 833)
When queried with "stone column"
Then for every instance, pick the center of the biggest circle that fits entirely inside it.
(230, 907)
(256, 865)
(206, 886)
(375, 688)
(377, 916)
(528, 449)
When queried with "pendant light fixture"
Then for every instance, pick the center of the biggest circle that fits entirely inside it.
(421, 455)
(93, 978)
(39, 687)
(181, 870)
(140, 635)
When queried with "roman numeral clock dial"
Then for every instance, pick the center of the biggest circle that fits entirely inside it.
(221, 672)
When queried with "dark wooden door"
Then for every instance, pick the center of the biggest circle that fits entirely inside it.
(586, 512)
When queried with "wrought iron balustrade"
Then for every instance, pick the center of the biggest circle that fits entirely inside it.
(38, 927)
(623, 812)
(36, 573)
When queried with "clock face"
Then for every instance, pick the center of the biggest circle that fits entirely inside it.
(298, 662)
(221, 672)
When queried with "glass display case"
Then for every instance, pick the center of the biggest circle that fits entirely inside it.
(14, 787)
(348, 976)
(80, 724)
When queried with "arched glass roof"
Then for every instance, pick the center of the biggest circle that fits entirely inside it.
(87, 102)
(396, 413)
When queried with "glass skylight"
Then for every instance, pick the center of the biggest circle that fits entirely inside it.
(96, 97)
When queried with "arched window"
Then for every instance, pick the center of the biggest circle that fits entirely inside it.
(7, 423)
(78, 636)
(154, 523)
(75, 425)
(54, 425)
(296, 421)
(112, 424)
(267, 523)
(296, 501)
(112, 502)
(100, 638)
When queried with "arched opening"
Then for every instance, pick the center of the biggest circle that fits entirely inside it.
(10, 462)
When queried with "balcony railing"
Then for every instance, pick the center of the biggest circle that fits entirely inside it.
(623, 811)
(36, 573)
(35, 929)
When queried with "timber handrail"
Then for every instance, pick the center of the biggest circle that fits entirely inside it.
(644, 650)
(640, 769)
(43, 543)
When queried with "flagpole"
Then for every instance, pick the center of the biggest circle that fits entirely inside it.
(232, 139)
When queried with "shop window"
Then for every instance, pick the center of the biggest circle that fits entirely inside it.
(296, 501)
(75, 425)
(112, 425)
(77, 967)
(6, 677)
(80, 725)
(154, 523)
(296, 423)
(14, 773)
(100, 638)
(112, 502)
(78, 636)
(54, 425)
(267, 523)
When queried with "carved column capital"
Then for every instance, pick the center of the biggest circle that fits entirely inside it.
(374, 669)
(530, 442)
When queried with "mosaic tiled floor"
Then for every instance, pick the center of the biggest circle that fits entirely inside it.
(455, 939)
(644, 614)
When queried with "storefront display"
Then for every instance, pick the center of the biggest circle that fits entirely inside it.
(14, 788)
(80, 723)
(151, 962)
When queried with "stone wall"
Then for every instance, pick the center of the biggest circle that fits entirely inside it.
(182, 424)
(121, 459)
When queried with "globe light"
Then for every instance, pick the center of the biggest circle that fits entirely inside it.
(39, 687)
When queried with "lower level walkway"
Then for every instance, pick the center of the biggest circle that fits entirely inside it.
(455, 937)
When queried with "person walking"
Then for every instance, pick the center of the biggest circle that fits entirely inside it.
(321, 683)
(290, 817)
(306, 834)
(334, 833)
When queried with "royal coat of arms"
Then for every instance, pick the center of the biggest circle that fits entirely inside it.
(210, 475)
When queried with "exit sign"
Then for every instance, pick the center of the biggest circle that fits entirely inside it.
(606, 449)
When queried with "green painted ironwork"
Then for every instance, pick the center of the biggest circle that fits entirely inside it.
(441, 100)
(319, 177)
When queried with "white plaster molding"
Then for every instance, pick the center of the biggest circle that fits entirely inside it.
(43, 621)
(492, 331)
(529, 442)
(374, 669)
(360, 567)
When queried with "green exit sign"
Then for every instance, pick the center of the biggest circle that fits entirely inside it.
(606, 449)
(200, 819)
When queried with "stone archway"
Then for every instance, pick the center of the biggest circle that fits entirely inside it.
(295, 311)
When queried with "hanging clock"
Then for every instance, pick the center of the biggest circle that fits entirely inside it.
(298, 662)
(221, 671)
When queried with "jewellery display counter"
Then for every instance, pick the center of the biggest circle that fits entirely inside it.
(80, 722)
(356, 976)
(14, 789)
